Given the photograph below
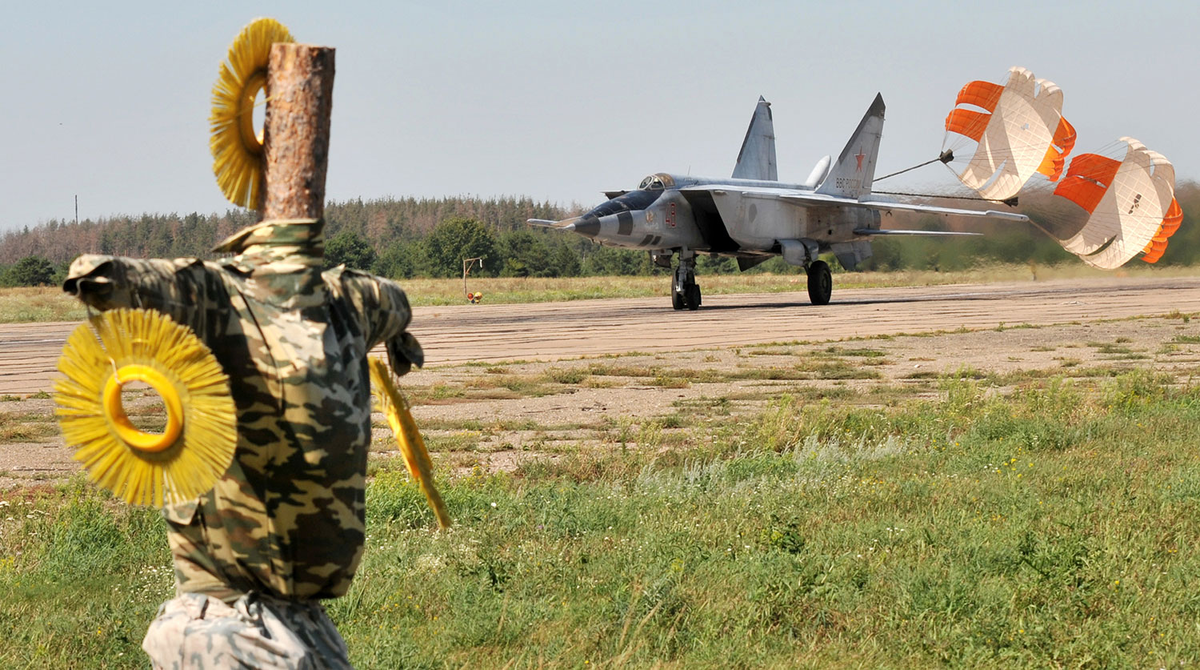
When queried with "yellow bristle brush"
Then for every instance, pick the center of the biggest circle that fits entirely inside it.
(195, 448)
(394, 406)
(237, 150)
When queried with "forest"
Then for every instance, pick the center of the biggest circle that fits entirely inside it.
(428, 237)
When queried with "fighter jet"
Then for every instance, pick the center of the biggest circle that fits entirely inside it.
(752, 216)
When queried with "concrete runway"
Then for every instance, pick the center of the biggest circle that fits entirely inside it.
(552, 331)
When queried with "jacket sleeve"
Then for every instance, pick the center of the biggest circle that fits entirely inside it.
(178, 288)
(385, 314)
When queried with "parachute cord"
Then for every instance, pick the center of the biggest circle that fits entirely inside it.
(945, 157)
(1011, 202)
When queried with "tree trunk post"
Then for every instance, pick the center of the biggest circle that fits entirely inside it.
(299, 95)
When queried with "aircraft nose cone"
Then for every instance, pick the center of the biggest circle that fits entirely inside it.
(588, 224)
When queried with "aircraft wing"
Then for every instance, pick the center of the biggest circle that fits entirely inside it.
(933, 233)
(812, 199)
(819, 199)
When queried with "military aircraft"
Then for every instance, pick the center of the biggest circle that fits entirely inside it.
(752, 216)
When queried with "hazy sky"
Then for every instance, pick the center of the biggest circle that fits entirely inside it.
(560, 100)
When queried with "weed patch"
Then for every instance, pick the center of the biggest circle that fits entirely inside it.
(1050, 526)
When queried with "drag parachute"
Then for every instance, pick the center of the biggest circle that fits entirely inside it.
(1020, 133)
(1130, 203)
(1170, 224)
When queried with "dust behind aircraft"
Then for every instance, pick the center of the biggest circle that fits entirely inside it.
(752, 216)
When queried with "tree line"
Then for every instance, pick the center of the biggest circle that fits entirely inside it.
(429, 237)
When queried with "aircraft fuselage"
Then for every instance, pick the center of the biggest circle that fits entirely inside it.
(735, 217)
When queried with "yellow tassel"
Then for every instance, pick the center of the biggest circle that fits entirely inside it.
(197, 446)
(236, 148)
(394, 406)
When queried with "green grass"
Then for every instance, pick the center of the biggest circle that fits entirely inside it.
(1054, 526)
(861, 353)
(37, 304)
(840, 369)
(82, 577)
(26, 426)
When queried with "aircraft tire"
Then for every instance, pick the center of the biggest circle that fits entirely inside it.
(692, 299)
(676, 300)
(820, 283)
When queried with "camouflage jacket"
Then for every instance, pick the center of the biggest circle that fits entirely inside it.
(288, 518)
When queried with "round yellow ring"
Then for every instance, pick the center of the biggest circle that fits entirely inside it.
(250, 139)
(116, 348)
(115, 410)
(237, 149)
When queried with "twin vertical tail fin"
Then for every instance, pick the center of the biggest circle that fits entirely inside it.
(852, 174)
(756, 160)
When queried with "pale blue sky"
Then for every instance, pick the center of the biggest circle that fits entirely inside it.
(560, 100)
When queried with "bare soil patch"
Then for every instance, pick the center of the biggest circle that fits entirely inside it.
(497, 416)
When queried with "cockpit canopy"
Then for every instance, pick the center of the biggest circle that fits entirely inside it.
(656, 182)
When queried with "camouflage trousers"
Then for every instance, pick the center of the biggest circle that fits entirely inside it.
(257, 631)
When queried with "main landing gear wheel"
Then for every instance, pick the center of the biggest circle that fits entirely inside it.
(689, 297)
(820, 283)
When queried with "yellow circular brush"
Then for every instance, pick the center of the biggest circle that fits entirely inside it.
(145, 468)
(394, 406)
(237, 150)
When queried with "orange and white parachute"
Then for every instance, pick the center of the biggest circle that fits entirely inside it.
(1020, 133)
(1130, 203)
(1170, 224)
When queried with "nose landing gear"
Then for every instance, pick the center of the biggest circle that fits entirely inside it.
(685, 292)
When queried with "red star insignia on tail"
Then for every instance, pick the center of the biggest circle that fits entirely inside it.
(859, 156)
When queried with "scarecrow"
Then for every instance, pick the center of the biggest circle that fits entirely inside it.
(261, 361)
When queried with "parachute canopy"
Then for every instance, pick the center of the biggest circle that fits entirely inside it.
(1170, 224)
(1020, 133)
(1131, 205)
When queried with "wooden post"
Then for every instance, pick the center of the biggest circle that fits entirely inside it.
(296, 131)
